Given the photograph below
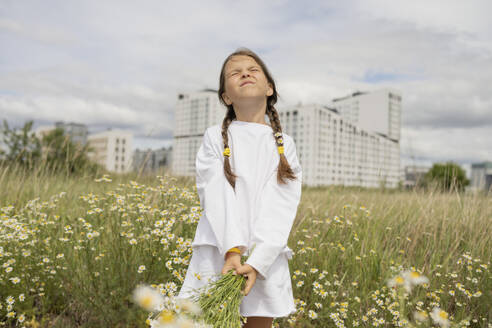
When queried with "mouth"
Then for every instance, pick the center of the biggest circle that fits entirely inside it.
(247, 82)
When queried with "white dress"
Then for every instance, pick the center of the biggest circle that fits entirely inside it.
(257, 217)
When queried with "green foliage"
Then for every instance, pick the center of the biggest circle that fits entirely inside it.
(55, 152)
(24, 148)
(447, 177)
(60, 153)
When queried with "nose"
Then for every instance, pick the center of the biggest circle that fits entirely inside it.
(245, 74)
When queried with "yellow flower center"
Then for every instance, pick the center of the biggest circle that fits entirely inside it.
(166, 316)
(400, 280)
(146, 301)
(415, 274)
(443, 314)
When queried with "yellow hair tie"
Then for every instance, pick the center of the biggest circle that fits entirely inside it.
(234, 250)
(227, 152)
(280, 149)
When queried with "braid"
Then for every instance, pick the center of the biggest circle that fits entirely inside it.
(231, 177)
(284, 170)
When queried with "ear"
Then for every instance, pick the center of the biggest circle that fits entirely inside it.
(227, 100)
(269, 90)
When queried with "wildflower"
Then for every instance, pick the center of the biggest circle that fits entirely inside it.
(15, 280)
(420, 315)
(312, 314)
(22, 297)
(141, 268)
(398, 280)
(188, 306)
(166, 317)
(10, 300)
(440, 317)
(415, 278)
(21, 318)
(148, 298)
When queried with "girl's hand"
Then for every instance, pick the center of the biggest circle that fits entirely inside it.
(233, 261)
(250, 273)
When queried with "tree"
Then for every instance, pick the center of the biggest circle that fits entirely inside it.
(61, 154)
(24, 148)
(55, 151)
(447, 176)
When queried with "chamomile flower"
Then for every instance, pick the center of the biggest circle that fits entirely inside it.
(148, 298)
(440, 317)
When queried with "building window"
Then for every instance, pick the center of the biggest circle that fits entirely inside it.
(117, 140)
(123, 141)
(116, 157)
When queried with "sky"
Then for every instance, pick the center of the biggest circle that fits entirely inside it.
(121, 64)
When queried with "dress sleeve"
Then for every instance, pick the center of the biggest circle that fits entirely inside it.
(217, 197)
(278, 208)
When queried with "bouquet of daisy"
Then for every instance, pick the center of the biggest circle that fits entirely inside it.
(220, 300)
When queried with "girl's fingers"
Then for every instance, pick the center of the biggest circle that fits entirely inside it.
(251, 279)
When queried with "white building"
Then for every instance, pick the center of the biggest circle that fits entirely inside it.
(113, 149)
(481, 176)
(334, 150)
(194, 113)
(378, 111)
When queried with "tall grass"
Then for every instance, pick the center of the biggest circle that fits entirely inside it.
(79, 247)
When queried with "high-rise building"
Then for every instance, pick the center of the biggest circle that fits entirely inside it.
(481, 176)
(334, 150)
(378, 111)
(113, 149)
(195, 112)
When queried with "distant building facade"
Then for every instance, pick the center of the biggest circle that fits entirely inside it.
(78, 132)
(151, 160)
(481, 176)
(334, 150)
(113, 149)
(334, 146)
(377, 111)
(195, 112)
(414, 174)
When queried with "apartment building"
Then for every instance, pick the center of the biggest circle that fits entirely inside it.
(113, 149)
(334, 146)
(195, 112)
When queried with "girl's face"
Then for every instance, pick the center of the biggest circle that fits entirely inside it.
(244, 79)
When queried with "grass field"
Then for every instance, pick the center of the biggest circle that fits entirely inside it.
(72, 251)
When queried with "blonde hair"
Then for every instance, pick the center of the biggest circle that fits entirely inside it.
(284, 171)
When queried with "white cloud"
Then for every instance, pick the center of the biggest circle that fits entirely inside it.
(122, 63)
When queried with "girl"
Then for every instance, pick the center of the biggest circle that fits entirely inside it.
(249, 183)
